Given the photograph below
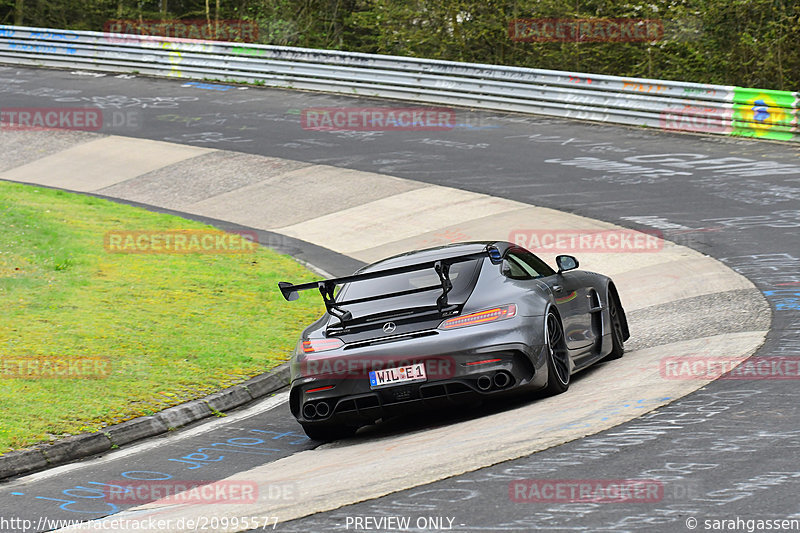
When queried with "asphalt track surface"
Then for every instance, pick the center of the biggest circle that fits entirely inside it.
(729, 450)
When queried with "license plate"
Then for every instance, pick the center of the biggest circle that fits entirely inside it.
(393, 376)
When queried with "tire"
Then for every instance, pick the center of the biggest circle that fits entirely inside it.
(558, 371)
(617, 344)
(328, 432)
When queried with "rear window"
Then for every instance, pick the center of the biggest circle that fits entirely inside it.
(462, 275)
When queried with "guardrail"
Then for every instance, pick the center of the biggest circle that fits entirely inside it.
(668, 105)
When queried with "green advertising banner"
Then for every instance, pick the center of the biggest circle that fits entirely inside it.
(765, 114)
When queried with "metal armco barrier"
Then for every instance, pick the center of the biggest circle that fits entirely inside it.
(666, 105)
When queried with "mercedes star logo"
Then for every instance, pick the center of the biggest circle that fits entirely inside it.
(389, 327)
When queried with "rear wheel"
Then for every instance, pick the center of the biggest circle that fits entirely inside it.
(617, 344)
(328, 432)
(558, 371)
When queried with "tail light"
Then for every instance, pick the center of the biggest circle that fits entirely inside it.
(484, 362)
(320, 389)
(495, 314)
(321, 345)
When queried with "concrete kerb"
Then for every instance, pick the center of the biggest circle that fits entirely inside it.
(22, 461)
(80, 446)
(64, 449)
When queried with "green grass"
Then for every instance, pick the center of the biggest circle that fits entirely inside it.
(173, 327)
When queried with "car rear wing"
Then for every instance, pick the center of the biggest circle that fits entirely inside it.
(440, 266)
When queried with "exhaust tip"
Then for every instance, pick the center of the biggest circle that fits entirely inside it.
(501, 380)
(309, 411)
(323, 409)
(484, 383)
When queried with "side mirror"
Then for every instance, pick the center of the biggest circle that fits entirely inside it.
(566, 262)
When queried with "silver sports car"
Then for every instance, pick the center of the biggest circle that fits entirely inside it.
(444, 326)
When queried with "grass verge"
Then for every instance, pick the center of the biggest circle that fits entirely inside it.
(143, 331)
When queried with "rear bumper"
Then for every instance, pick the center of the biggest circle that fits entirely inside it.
(455, 361)
(452, 380)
